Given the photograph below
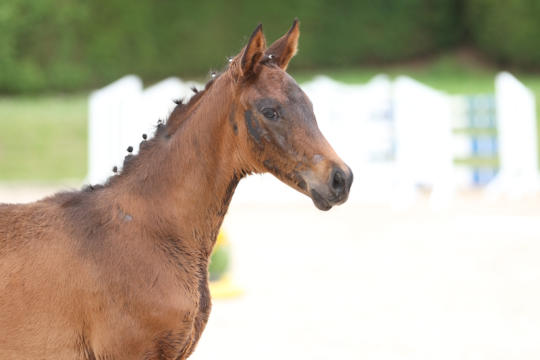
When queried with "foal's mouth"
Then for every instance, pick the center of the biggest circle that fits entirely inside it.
(319, 201)
(326, 204)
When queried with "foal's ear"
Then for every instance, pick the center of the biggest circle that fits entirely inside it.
(284, 48)
(253, 52)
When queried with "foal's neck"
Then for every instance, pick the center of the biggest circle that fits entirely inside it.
(183, 185)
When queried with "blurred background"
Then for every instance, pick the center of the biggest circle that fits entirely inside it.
(431, 102)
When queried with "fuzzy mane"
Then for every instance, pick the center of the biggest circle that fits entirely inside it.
(164, 130)
(182, 110)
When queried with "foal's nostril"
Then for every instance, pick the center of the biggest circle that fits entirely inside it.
(338, 182)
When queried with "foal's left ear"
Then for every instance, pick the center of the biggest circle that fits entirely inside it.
(253, 52)
(284, 48)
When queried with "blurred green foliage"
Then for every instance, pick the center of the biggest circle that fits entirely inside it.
(62, 45)
(219, 262)
(508, 31)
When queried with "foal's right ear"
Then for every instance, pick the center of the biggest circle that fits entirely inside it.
(252, 53)
(284, 48)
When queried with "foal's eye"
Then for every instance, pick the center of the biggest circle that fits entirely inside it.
(270, 114)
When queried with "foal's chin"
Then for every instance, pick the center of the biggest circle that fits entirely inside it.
(320, 202)
(325, 202)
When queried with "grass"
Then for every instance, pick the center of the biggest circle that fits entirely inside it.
(43, 138)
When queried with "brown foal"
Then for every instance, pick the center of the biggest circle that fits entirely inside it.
(119, 271)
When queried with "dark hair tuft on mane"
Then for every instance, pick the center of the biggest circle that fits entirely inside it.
(90, 188)
(160, 126)
(127, 158)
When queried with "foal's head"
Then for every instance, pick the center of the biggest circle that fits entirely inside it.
(275, 126)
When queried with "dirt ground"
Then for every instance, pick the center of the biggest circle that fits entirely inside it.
(367, 282)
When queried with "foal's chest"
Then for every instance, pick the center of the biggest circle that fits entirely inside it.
(161, 316)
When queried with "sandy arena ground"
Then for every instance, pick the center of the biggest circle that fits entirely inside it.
(366, 282)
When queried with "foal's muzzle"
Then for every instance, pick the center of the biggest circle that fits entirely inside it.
(335, 191)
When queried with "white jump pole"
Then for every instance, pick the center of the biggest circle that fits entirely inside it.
(517, 136)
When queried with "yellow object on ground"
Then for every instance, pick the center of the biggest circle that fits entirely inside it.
(225, 288)
(221, 284)
(222, 239)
